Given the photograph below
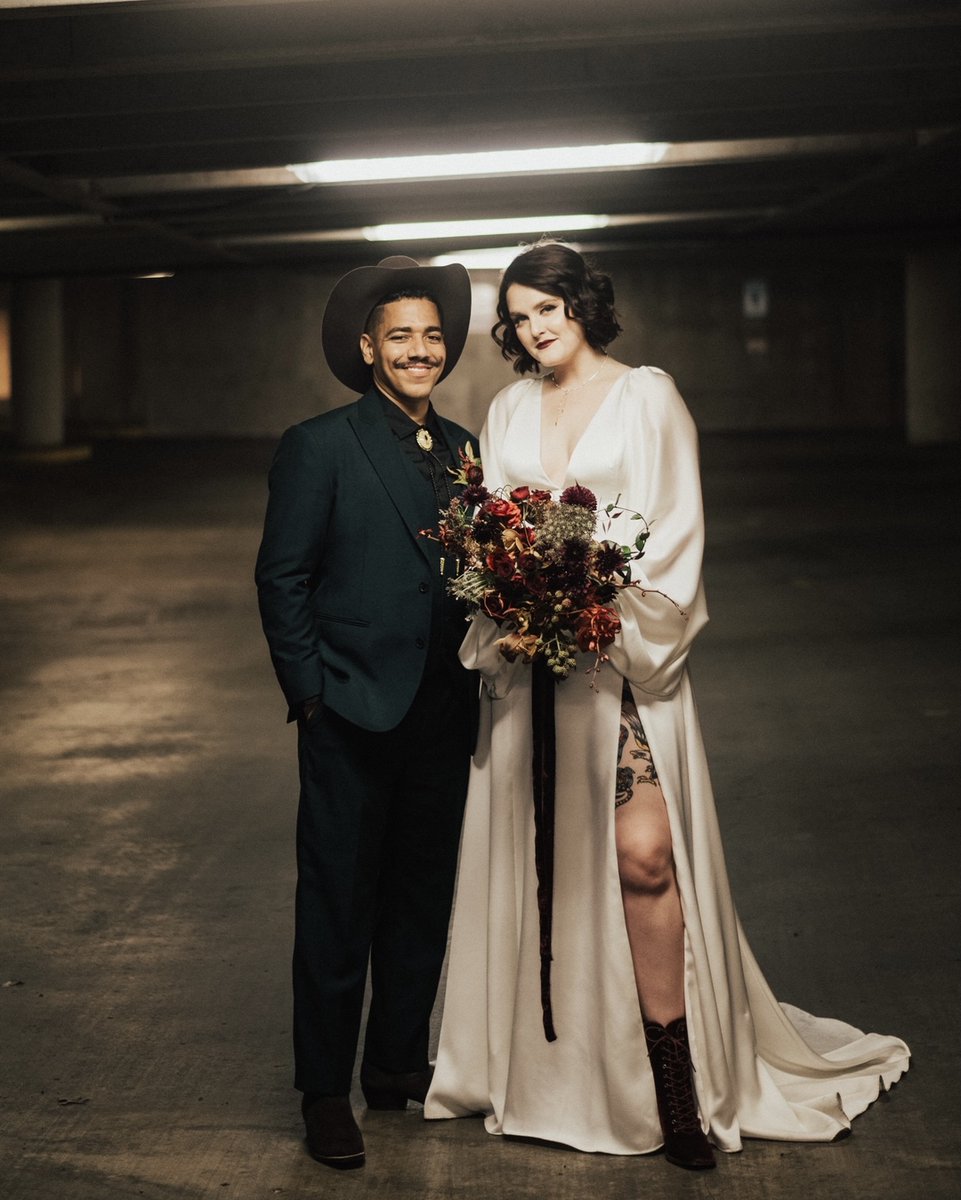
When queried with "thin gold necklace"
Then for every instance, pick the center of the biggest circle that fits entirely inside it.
(566, 391)
(575, 386)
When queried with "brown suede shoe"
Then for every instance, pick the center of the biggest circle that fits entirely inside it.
(384, 1090)
(332, 1134)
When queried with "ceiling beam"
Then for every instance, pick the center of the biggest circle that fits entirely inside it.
(679, 154)
(932, 143)
(86, 42)
(111, 216)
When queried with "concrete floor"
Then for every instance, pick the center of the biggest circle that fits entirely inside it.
(148, 803)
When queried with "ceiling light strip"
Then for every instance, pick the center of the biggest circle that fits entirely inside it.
(418, 230)
(550, 159)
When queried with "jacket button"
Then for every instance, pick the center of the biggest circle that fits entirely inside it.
(423, 587)
(420, 643)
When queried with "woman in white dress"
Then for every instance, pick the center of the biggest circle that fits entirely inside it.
(651, 973)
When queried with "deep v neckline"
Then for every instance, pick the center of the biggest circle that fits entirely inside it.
(560, 483)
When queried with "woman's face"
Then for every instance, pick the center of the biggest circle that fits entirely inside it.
(543, 328)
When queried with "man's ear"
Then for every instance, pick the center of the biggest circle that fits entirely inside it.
(367, 349)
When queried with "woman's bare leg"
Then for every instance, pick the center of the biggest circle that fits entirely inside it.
(652, 903)
(655, 930)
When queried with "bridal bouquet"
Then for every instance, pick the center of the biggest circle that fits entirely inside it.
(532, 564)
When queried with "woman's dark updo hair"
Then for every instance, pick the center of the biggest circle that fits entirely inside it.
(558, 270)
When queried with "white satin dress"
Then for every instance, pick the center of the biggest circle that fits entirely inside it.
(762, 1069)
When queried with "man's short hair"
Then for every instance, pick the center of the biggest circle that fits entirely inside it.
(407, 293)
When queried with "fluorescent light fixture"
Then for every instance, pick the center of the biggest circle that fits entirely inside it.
(549, 160)
(416, 230)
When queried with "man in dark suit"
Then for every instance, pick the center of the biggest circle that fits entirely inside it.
(364, 638)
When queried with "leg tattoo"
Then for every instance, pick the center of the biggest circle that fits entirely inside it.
(635, 764)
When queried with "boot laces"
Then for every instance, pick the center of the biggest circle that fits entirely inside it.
(681, 1104)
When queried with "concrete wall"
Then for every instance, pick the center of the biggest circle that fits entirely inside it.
(933, 322)
(237, 352)
(100, 321)
(231, 352)
(827, 354)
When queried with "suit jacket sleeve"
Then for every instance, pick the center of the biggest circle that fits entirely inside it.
(298, 509)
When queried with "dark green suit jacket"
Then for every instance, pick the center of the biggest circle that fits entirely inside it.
(345, 582)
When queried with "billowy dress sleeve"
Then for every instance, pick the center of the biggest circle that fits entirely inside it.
(660, 620)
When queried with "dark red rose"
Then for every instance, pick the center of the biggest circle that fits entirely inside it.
(539, 496)
(520, 493)
(579, 495)
(504, 511)
(597, 627)
(474, 475)
(496, 606)
(538, 589)
(501, 563)
(487, 532)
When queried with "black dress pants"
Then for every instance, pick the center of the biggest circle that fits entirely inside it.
(377, 837)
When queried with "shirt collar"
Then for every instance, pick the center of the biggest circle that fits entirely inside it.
(402, 425)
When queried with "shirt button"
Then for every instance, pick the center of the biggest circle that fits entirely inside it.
(423, 587)
(420, 643)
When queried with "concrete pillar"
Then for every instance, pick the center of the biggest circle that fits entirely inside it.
(933, 350)
(36, 363)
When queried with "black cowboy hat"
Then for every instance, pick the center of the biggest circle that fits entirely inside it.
(358, 292)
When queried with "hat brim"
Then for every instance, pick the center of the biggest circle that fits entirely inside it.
(357, 292)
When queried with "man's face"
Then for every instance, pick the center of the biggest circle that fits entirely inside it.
(405, 348)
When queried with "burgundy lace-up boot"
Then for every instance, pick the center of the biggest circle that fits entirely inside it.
(684, 1142)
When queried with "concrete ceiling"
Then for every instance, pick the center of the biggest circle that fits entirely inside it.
(153, 135)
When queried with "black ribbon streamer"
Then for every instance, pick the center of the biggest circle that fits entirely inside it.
(543, 775)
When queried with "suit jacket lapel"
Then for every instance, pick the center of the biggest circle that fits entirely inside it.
(381, 448)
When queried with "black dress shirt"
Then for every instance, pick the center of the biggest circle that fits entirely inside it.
(434, 466)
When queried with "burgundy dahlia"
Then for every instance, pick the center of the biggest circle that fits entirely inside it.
(610, 558)
(581, 496)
